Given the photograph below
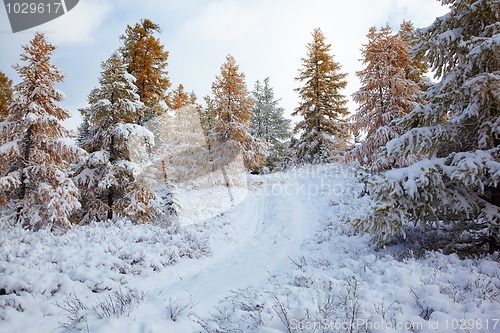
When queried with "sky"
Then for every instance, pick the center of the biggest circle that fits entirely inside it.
(268, 38)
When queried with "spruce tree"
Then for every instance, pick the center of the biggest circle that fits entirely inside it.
(5, 95)
(208, 121)
(269, 124)
(232, 108)
(386, 94)
(455, 184)
(146, 60)
(323, 130)
(112, 180)
(35, 183)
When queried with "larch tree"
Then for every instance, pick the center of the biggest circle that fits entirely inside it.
(146, 60)
(5, 100)
(417, 67)
(231, 109)
(179, 98)
(388, 92)
(324, 132)
(35, 184)
(112, 178)
(269, 124)
(5, 95)
(455, 186)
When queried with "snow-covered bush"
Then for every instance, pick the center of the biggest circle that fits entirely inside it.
(98, 255)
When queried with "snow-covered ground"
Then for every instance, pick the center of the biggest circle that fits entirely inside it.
(274, 256)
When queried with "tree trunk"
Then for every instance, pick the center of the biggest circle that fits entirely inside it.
(24, 164)
(110, 204)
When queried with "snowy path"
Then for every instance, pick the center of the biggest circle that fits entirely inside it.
(269, 226)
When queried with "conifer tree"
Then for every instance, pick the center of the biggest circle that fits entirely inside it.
(455, 185)
(387, 93)
(146, 60)
(5, 95)
(5, 100)
(35, 184)
(417, 66)
(111, 179)
(179, 98)
(324, 132)
(208, 121)
(269, 124)
(231, 109)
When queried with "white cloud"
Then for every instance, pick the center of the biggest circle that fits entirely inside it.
(79, 25)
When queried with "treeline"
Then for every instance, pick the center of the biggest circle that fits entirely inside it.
(432, 149)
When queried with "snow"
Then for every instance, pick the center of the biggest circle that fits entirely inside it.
(276, 258)
(136, 131)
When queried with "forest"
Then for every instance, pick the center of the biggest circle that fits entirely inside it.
(167, 212)
(429, 149)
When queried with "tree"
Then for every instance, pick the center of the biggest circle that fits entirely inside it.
(232, 108)
(417, 67)
(112, 179)
(146, 60)
(5, 95)
(179, 98)
(269, 124)
(323, 129)
(35, 183)
(388, 91)
(455, 185)
(208, 120)
(5, 100)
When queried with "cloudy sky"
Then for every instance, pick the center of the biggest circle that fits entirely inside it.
(267, 37)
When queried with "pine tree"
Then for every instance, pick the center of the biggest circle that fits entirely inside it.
(112, 178)
(179, 98)
(5, 95)
(146, 60)
(455, 185)
(386, 94)
(324, 133)
(35, 183)
(232, 108)
(269, 124)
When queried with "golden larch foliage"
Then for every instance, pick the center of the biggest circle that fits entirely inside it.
(5, 95)
(36, 157)
(324, 132)
(387, 93)
(179, 98)
(232, 107)
(146, 60)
